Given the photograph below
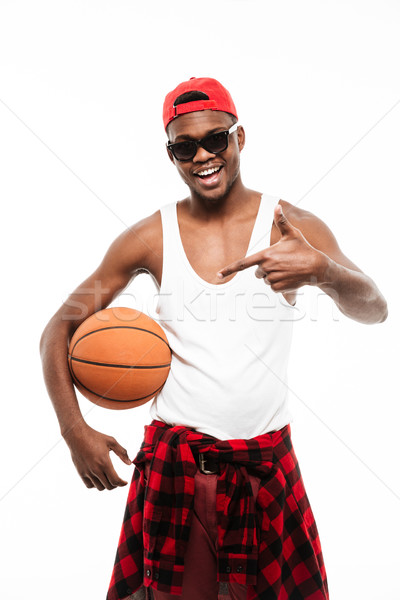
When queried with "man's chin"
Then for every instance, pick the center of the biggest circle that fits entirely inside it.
(214, 196)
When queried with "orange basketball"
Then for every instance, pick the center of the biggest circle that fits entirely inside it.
(119, 358)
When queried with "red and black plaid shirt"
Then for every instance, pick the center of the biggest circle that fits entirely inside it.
(269, 543)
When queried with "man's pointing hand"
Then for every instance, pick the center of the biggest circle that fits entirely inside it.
(287, 265)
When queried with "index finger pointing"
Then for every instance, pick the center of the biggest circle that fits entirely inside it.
(241, 264)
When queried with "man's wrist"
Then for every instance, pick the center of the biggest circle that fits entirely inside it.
(76, 428)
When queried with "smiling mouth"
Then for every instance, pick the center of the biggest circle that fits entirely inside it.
(209, 174)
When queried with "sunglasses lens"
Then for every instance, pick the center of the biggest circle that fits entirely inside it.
(214, 143)
(217, 142)
(184, 150)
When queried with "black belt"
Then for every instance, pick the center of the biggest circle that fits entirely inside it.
(207, 464)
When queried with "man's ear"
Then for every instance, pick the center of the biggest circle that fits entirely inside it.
(241, 137)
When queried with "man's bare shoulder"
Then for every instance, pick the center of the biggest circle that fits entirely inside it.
(295, 214)
(145, 231)
(312, 227)
(144, 239)
(316, 232)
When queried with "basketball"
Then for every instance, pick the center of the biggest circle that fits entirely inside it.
(119, 358)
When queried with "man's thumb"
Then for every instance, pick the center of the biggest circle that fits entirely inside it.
(282, 223)
(120, 451)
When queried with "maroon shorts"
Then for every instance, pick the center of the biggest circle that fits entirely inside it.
(200, 576)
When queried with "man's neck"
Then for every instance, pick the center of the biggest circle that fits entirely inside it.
(219, 208)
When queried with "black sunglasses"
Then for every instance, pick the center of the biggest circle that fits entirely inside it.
(213, 143)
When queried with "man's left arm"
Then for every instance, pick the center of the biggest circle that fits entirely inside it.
(310, 255)
(355, 293)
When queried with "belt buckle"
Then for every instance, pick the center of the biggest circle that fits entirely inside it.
(202, 461)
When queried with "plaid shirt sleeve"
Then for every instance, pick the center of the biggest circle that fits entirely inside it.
(269, 543)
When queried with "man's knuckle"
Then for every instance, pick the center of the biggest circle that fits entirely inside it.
(99, 465)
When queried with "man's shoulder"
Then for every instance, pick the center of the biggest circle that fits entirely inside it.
(139, 246)
(151, 226)
(314, 229)
(295, 214)
(145, 234)
(303, 219)
(148, 226)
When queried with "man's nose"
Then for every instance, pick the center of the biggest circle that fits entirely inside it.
(202, 155)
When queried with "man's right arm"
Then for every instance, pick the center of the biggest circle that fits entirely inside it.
(130, 253)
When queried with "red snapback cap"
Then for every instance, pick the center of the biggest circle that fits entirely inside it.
(218, 98)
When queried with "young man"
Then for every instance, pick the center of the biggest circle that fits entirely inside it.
(217, 503)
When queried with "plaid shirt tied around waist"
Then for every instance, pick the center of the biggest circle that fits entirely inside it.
(269, 543)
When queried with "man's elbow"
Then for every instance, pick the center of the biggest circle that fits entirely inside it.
(385, 313)
(50, 332)
(380, 310)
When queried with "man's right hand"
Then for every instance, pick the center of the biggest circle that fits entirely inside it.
(90, 452)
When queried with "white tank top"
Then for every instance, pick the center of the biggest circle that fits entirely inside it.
(230, 342)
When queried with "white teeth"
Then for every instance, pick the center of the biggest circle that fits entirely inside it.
(208, 171)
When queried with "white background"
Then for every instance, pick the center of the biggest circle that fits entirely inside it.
(82, 156)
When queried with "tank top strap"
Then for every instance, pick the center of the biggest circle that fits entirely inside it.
(170, 230)
(169, 222)
(262, 230)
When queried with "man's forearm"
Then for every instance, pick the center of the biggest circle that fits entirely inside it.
(53, 349)
(90, 449)
(354, 293)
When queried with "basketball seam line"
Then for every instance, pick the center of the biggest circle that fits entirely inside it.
(114, 399)
(100, 364)
(121, 327)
